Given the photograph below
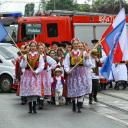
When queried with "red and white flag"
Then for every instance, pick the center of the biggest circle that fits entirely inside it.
(121, 51)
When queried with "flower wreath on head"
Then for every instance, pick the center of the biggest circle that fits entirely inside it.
(74, 39)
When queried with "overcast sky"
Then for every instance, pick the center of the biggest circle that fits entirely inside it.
(18, 5)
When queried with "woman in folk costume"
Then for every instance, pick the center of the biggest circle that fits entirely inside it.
(77, 78)
(50, 64)
(31, 79)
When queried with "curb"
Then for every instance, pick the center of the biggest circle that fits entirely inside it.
(114, 107)
(114, 96)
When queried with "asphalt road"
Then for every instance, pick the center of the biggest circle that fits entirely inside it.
(14, 115)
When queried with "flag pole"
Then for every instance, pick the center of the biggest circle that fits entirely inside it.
(20, 52)
(96, 45)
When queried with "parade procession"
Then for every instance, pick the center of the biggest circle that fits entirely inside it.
(64, 73)
(65, 62)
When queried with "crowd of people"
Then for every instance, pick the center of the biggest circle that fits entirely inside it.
(61, 74)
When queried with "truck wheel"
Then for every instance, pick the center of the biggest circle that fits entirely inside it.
(5, 83)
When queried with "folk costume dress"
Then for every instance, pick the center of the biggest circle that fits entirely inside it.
(77, 84)
(31, 83)
(50, 64)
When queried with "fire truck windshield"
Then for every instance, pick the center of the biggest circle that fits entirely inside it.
(30, 30)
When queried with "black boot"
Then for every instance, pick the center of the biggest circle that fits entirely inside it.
(116, 86)
(124, 85)
(53, 100)
(90, 98)
(67, 102)
(41, 104)
(95, 97)
(79, 104)
(30, 107)
(34, 107)
(73, 106)
(23, 100)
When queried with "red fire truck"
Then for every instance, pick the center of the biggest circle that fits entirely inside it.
(62, 28)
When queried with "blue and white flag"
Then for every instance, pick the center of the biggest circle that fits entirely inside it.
(112, 38)
(3, 32)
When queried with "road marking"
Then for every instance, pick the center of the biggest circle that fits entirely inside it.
(116, 119)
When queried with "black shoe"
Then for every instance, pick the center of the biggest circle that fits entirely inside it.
(90, 101)
(30, 107)
(34, 107)
(73, 106)
(41, 104)
(23, 103)
(95, 99)
(79, 104)
(23, 100)
(90, 98)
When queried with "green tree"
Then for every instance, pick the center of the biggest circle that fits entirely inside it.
(29, 9)
(83, 7)
(61, 5)
(108, 6)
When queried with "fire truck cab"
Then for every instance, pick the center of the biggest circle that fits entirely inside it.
(45, 29)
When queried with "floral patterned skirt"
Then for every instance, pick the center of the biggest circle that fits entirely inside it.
(77, 82)
(30, 85)
(46, 79)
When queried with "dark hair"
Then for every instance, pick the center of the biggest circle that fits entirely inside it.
(47, 45)
(51, 51)
(30, 43)
(54, 43)
(19, 53)
(94, 41)
(60, 49)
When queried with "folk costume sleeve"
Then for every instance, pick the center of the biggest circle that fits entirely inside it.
(52, 63)
(87, 61)
(23, 63)
(41, 65)
(67, 63)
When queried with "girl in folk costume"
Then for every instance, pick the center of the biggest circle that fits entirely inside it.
(60, 59)
(77, 78)
(31, 80)
(57, 87)
(67, 50)
(18, 73)
(50, 64)
(88, 65)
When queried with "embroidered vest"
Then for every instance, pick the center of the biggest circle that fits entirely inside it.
(55, 82)
(33, 61)
(74, 59)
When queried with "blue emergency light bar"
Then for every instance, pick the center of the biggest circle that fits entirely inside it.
(15, 14)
